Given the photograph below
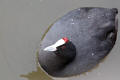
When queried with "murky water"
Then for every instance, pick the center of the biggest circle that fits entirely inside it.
(39, 74)
(22, 25)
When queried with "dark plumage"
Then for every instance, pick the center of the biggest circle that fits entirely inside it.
(92, 31)
(66, 52)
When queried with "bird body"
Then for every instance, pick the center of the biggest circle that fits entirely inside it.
(92, 34)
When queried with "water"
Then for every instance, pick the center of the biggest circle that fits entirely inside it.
(22, 25)
(39, 74)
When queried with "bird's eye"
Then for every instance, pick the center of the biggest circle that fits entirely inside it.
(63, 47)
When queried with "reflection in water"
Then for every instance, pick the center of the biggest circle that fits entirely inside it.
(39, 74)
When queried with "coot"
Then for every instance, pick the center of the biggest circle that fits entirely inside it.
(78, 41)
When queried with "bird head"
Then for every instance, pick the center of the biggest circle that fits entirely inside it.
(63, 48)
(54, 46)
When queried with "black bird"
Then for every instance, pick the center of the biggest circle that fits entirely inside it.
(91, 34)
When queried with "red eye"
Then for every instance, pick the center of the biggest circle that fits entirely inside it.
(63, 47)
(65, 39)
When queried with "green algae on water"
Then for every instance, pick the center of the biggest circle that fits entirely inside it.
(39, 74)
